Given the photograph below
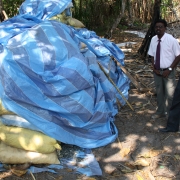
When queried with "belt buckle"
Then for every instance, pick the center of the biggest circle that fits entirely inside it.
(161, 72)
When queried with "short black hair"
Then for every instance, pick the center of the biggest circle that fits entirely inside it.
(161, 21)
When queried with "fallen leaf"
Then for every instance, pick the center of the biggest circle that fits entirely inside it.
(145, 174)
(131, 165)
(124, 152)
(69, 170)
(91, 178)
(141, 162)
(18, 173)
(125, 171)
(151, 153)
(177, 157)
(133, 103)
(139, 177)
(59, 178)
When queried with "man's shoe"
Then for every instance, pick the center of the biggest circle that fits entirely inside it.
(166, 130)
(156, 116)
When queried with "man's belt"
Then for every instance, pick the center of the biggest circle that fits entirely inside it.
(161, 70)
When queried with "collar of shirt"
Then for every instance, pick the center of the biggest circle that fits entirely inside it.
(162, 38)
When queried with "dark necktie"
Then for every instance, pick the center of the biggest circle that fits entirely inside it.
(157, 63)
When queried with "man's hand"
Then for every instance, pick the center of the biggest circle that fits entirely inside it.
(157, 72)
(166, 73)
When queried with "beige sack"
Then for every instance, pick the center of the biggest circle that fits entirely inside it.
(68, 20)
(75, 23)
(3, 111)
(28, 139)
(60, 17)
(11, 155)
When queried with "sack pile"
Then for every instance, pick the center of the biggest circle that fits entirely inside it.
(66, 18)
(20, 145)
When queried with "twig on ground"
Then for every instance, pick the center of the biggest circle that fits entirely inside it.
(124, 166)
(166, 137)
(120, 145)
(32, 175)
(51, 176)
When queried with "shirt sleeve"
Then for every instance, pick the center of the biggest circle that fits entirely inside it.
(150, 51)
(176, 48)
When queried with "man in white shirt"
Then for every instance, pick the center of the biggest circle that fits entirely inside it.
(164, 73)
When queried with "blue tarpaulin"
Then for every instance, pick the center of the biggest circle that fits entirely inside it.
(48, 80)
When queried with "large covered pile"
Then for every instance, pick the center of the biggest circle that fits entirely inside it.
(54, 84)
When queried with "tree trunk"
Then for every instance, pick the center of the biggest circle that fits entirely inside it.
(145, 12)
(80, 8)
(117, 21)
(130, 13)
(150, 33)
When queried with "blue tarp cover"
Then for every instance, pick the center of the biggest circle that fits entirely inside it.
(48, 80)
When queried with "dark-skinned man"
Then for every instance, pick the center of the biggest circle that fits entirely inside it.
(165, 55)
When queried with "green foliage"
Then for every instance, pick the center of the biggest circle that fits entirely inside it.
(139, 24)
(96, 13)
(122, 27)
(11, 6)
(101, 14)
(165, 8)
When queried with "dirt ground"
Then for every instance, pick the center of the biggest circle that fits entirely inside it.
(140, 152)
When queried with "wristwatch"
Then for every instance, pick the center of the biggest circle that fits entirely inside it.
(170, 69)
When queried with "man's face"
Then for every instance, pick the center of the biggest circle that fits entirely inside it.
(160, 28)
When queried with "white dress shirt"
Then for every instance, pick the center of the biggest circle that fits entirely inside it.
(169, 49)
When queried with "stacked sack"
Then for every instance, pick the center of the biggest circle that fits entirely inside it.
(66, 18)
(21, 142)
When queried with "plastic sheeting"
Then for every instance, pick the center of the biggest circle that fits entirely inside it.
(47, 79)
(87, 164)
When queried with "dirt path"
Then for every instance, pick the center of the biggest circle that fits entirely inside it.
(140, 147)
(140, 152)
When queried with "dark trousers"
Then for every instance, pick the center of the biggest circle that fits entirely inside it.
(165, 88)
(174, 113)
